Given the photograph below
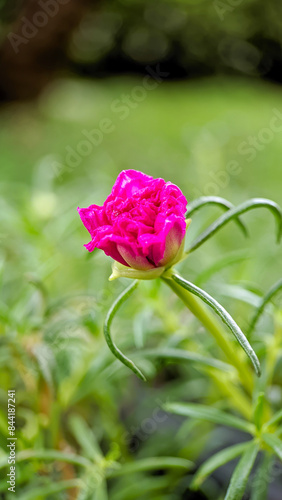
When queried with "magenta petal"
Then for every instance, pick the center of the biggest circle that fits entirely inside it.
(142, 222)
(173, 242)
(134, 260)
(92, 217)
(163, 246)
(104, 240)
(129, 182)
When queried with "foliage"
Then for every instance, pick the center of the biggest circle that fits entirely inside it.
(83, 419)
(186, 36)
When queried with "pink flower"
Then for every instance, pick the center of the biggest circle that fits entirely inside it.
(141, 224)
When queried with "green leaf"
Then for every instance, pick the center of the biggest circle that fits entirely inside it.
(45, 360)
(258, 410)
(172, 354)
(155, 463)
(52, 455)
(195, 205)
(224, 262)
(274, 443)
(265, 300)
(234, 213)
(216, 461)
(93, 486)
(238, 293)
(50, 489)
(101, 492)
(241, 473)
(274, 420)
(262, 478)
(224, 315)
(85, 437)
(210, 414)
(84, 491)
(110, 316)
(133, 490)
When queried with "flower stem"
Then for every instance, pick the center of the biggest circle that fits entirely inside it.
(210, 322)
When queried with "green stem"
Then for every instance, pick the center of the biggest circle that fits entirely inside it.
(211, 323)
(272, 353)
(107, 330)
(238, 399)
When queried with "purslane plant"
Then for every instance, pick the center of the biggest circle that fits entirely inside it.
(142, 226)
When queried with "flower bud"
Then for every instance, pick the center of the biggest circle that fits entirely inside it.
(141, 225)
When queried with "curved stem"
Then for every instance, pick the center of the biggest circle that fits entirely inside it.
(270, 294)
(195, 205)
(234, 213)
(224, 315)
(211, 323)
(109, 318)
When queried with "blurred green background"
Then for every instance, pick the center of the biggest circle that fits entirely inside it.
(211, 123)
